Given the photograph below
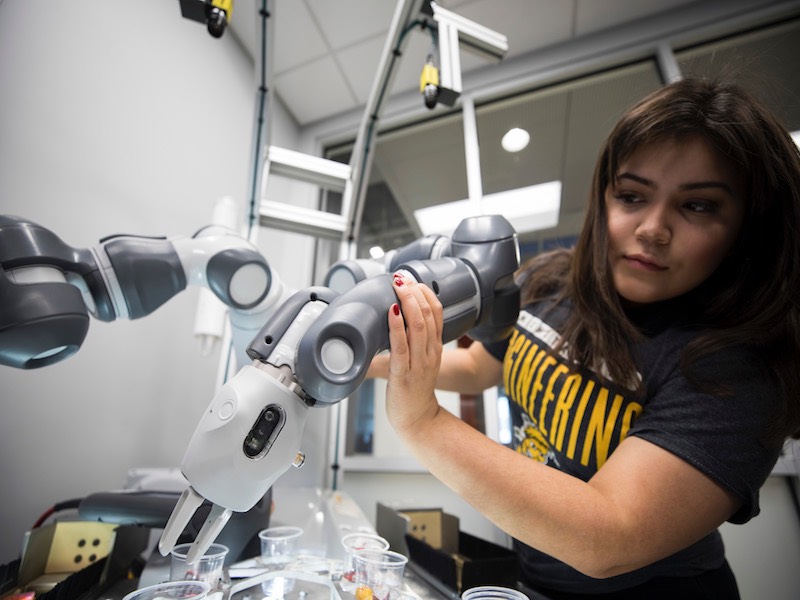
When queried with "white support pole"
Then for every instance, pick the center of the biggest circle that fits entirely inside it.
(450, 63)
(472, 152)
(364, 148)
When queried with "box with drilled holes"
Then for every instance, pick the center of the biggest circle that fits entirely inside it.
(53, 552)
(432, 540)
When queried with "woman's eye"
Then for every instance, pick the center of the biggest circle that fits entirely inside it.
(627, 197)
(700, 206)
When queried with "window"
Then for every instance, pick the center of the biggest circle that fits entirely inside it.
(423, 164)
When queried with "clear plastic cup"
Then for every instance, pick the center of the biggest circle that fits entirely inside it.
(208, 567)
(353, 542)
(378, 574)
(185, 590)
(492, 592)
(279, 548)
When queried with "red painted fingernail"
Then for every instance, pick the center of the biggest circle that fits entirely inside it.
(396, 309)
(398, 280)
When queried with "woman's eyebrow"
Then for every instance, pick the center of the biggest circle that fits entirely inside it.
(708, 184)
(637, 179)
(697, 185)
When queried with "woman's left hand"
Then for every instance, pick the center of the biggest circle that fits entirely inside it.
(415, 338)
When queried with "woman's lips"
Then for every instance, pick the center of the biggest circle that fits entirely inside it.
(642, 262)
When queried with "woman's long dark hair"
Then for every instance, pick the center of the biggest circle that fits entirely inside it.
(753, 298)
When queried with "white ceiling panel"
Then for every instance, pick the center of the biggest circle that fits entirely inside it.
(360, 62)
(344, 24)
(314, 90)
(297, 38)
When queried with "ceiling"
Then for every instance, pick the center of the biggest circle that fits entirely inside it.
(325, 56)
(326, 52)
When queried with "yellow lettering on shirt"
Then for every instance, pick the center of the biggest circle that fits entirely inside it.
(538, 385)
(511, 362)
(563, 407)
(601, 426)
(548, 397)
(633, 410)
(524, 379)
(578, 419)
(524, 352)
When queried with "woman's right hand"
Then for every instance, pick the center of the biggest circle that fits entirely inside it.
(415, 339)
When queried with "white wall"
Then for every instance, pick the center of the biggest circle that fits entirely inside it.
(115, 117)
(765, 553)
(124, 118)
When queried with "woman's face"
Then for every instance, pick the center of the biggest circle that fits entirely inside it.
(674, 211)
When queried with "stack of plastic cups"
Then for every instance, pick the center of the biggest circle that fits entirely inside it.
(378, 574)
(279, 549)
(208, 568)
(352, 543)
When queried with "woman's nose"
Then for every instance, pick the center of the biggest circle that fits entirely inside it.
(654, 227)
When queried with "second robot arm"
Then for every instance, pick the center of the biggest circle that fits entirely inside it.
(315, 351)
(48, 288)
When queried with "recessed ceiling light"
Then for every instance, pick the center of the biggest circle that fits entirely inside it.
(515, 140)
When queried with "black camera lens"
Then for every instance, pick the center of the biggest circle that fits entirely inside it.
(262, 433)
(216, 22)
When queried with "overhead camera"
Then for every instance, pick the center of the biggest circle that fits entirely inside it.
(429, 84)
(431, 95)
(217, 21)
(216, 14)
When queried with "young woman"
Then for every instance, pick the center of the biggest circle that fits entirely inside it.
(653, 370)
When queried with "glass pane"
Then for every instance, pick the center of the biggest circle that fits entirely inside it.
(383, 223)
(567, 123)
(424, 163)
(360, 420)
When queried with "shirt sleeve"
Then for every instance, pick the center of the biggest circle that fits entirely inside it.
(497, 349)
(720, 434)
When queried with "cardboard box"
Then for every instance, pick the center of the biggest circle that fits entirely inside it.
(432, 540)
(81, 554)
(53, 552)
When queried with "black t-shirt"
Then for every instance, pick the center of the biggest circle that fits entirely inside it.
(573, 420)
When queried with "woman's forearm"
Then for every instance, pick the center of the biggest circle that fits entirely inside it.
(555, 513)
(643, 505)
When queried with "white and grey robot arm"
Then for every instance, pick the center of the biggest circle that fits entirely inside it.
(344, 274)
(49, 289)
(234, 270)
(314, 351)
